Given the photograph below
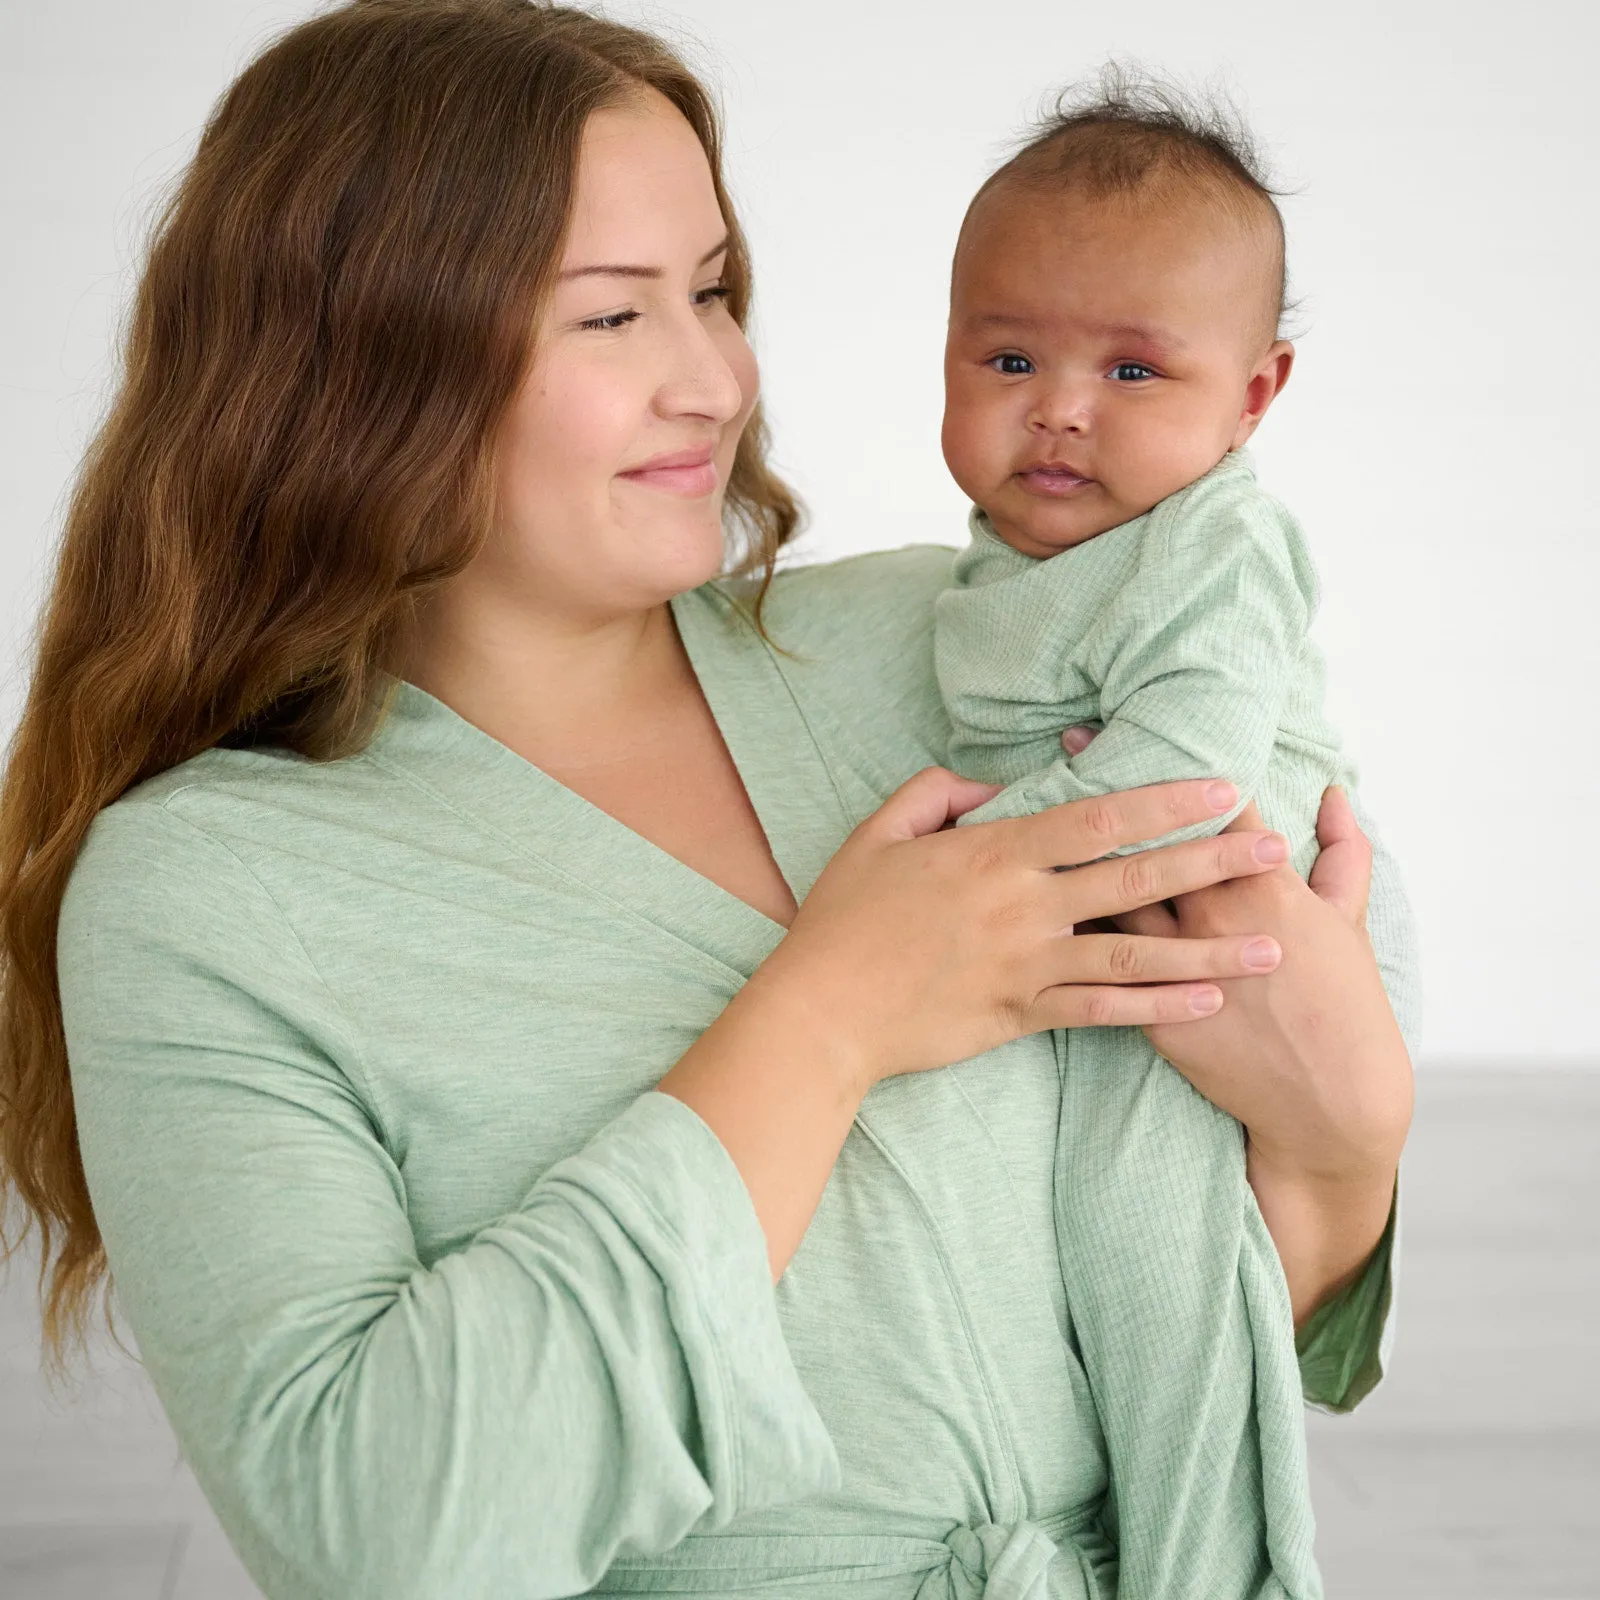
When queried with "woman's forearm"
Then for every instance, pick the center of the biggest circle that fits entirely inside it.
(780, 1095)
(1325, 1227)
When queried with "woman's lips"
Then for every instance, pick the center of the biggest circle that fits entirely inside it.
(1052, 481)
(691, 473)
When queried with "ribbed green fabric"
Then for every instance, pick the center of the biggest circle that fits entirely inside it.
(1184, 635)
(444, 1299)
(1183, 632)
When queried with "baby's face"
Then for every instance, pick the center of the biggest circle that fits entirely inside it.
(1101, 355)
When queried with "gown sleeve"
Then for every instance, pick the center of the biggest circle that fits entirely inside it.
(1193, 660)
(592, 1375)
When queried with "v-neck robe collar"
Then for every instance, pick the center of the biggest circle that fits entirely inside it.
(778, 757)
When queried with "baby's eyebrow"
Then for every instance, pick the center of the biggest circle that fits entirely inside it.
(1141, 333)
(1001, 319)
(1135, 332)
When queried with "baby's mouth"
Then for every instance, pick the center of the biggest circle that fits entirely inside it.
(1052, 479)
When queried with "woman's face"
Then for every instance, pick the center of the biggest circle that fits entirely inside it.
(615, 454)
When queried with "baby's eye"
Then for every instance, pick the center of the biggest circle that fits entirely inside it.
(1131, 371)
(1011, 365)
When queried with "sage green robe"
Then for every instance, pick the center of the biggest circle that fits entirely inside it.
(444, 1299)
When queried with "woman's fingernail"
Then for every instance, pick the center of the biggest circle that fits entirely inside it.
(1076, 740)
(1204, 1001)
(1221, 795)
(1272, 847)
(1261, 953)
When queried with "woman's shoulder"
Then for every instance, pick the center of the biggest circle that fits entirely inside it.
(857, 634)
(191, 832)
(881, 589)
(162, 897)
(265, 782)
(864, 614)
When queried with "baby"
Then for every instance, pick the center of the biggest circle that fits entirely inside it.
(1113, 343)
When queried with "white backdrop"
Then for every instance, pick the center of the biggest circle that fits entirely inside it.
(1437, 440)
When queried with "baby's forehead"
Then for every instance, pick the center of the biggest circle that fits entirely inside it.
(1224, 221)
(1195, 240)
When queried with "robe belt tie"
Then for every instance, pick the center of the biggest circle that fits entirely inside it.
(1048, 1559)
(1014, 1561)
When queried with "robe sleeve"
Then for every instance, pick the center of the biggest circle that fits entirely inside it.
(592, 1375)
(1345, 1346)
(1342, 1348)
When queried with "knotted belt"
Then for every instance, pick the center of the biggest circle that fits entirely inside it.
(1014, 1561)
(1054, 1558)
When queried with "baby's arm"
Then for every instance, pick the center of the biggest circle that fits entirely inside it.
(1193, 660)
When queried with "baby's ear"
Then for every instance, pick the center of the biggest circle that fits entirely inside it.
(1265, 383)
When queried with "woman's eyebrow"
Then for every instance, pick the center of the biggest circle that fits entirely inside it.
(610, 270)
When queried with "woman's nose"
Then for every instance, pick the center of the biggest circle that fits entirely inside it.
(700, 382)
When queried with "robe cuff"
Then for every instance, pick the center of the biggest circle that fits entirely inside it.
(1342, 1346)
(669, 1181)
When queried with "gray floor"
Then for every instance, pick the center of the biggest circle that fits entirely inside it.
(1472, 1474)
(1474, 1471)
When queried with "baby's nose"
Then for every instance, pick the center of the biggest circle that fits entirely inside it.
(1064, 408)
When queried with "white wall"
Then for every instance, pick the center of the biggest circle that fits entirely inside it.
(1437, 440)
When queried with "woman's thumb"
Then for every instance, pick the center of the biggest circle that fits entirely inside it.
(925, 803)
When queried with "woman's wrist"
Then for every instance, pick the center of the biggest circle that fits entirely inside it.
(780, 1092)
(1350, 1141)
(786, 999)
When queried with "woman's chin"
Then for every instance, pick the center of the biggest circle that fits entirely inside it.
(685, 555)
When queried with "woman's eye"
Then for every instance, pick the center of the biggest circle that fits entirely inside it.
(710, 296)
(1131, 371)
(1011, 366)
(612, 320)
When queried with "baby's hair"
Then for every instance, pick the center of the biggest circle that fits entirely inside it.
(1128, 129)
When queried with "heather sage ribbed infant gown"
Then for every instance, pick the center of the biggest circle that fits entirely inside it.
(1184, 634)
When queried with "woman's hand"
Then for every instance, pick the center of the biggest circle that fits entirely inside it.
(1309, 1058)
(922, 944)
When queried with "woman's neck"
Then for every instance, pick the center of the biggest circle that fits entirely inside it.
(564, 692)
(616, 714)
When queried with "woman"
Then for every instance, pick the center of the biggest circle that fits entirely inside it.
(498, 987)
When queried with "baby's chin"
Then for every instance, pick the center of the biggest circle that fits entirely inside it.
(1042, 531)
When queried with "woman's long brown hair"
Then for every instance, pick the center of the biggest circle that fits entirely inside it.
(338, 303)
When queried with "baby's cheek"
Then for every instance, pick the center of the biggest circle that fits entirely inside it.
(1160, 461)
(973, 443)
